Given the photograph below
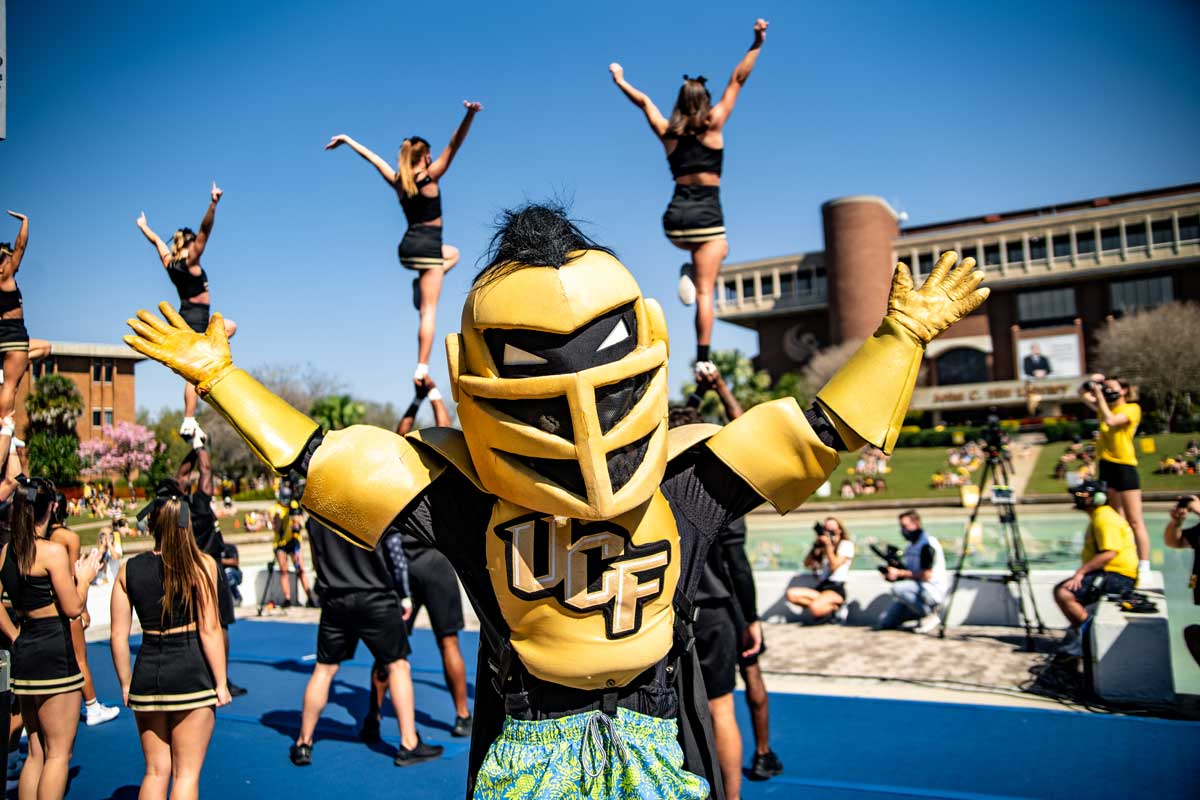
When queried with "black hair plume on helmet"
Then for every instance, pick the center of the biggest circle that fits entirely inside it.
(534, 235)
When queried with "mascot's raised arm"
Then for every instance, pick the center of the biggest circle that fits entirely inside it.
(576, 521)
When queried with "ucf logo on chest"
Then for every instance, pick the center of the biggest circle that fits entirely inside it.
(588, 604)
(585, 567)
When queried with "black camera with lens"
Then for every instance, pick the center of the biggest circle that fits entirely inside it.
(890, 555)
(993, 434)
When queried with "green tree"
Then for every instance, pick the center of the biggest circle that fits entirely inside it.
(749, 385)
(336, 411)
(168, 457)
(54, 407)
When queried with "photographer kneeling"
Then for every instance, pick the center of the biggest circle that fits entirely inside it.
(1110, 563)
(918, 587)
(1177, 536)
(829, 558)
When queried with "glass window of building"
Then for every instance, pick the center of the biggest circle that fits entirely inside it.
(1085, 242)
(1189, 228)
(786, 281)
(95, 417)
(96, 371)
(1135, 234)
(731, 292)
(970, 252)
(1037, 248)
(820, 276)
(1016, 252)
(108, 371)
(804, 283)
(1046, 305)
(1141, 293)
(768, 285)
(925, 264)
(1110, 240)
(1062, 245)
(962, 365)
(991, 255)
(1161, 231)
(108, 417)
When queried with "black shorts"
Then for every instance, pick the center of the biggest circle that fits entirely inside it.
(195, 314)
(832, 586)
(224, 598)
(13, 335)
(694, 215)
(717, 646)
(434, 585)
(43, 659)
(1119, 477)
(171, 674)
(373, 616)
(1097, 584)
(421, 247)
(291, 547)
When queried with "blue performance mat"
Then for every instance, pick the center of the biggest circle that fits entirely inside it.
(834, 748)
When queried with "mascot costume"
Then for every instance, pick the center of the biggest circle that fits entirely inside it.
(577, 522)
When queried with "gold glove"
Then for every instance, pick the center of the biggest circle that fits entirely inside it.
(276, 432)
(948, 294)
(867, 399)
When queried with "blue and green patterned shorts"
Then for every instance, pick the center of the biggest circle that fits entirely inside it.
(588, 756)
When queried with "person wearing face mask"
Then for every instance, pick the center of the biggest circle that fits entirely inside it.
(1117, 458)
(919, 588)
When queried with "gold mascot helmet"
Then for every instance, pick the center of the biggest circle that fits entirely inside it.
(560, 373)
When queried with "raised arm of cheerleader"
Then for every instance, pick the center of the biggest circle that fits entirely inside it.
(438, 168)
(196, 248)
(384, 168)
(741, 74)
(164, 252)
(658, 123)
(22, 241)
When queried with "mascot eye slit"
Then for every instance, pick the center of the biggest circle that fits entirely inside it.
(515, 356)
(619, 334)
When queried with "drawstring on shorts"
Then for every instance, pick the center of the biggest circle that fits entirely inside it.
(592, 734)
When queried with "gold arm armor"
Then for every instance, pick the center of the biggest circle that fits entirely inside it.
(774, 449)
(276, 432)
(361, 477)
(867, 399)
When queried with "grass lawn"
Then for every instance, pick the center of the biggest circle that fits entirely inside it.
(909, 478)
(1043, 481)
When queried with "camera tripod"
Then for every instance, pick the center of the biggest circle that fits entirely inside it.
(1018, 564)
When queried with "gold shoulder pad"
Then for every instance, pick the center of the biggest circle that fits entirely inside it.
(685, 437)
(361, 477)
(774, 449)
(451, 445)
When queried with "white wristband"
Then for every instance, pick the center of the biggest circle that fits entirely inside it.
(6, 431)
(421, 371)
(434, 395)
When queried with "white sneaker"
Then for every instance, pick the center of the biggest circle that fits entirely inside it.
(98, 714)
(687, 286)
(199, 439)
(928, 623)
(1143, 578)
(189, 427)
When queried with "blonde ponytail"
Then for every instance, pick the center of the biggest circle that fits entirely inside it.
(407, 182)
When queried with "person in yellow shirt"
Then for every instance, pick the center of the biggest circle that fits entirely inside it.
(1119, 420)
(1110, 562)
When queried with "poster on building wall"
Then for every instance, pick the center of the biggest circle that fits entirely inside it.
(1050, 354)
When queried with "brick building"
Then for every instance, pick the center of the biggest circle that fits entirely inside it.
(104, 375)
(1057, 274)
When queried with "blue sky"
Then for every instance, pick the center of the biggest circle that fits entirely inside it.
(945, 110)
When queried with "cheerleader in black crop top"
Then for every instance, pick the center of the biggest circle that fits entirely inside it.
(415, 181)
(16, 348)
(694, 221)
(182, 262)
(179, 675)
(36, 573)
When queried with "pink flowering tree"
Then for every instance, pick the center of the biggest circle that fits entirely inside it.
(125, 449)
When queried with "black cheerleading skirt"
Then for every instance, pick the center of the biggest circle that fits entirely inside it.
(694, 215)
(13, 335)
(421, 247)
(171, 674)
(43, 659)
(195, 315)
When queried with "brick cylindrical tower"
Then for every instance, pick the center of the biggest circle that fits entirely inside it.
(859, 235)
